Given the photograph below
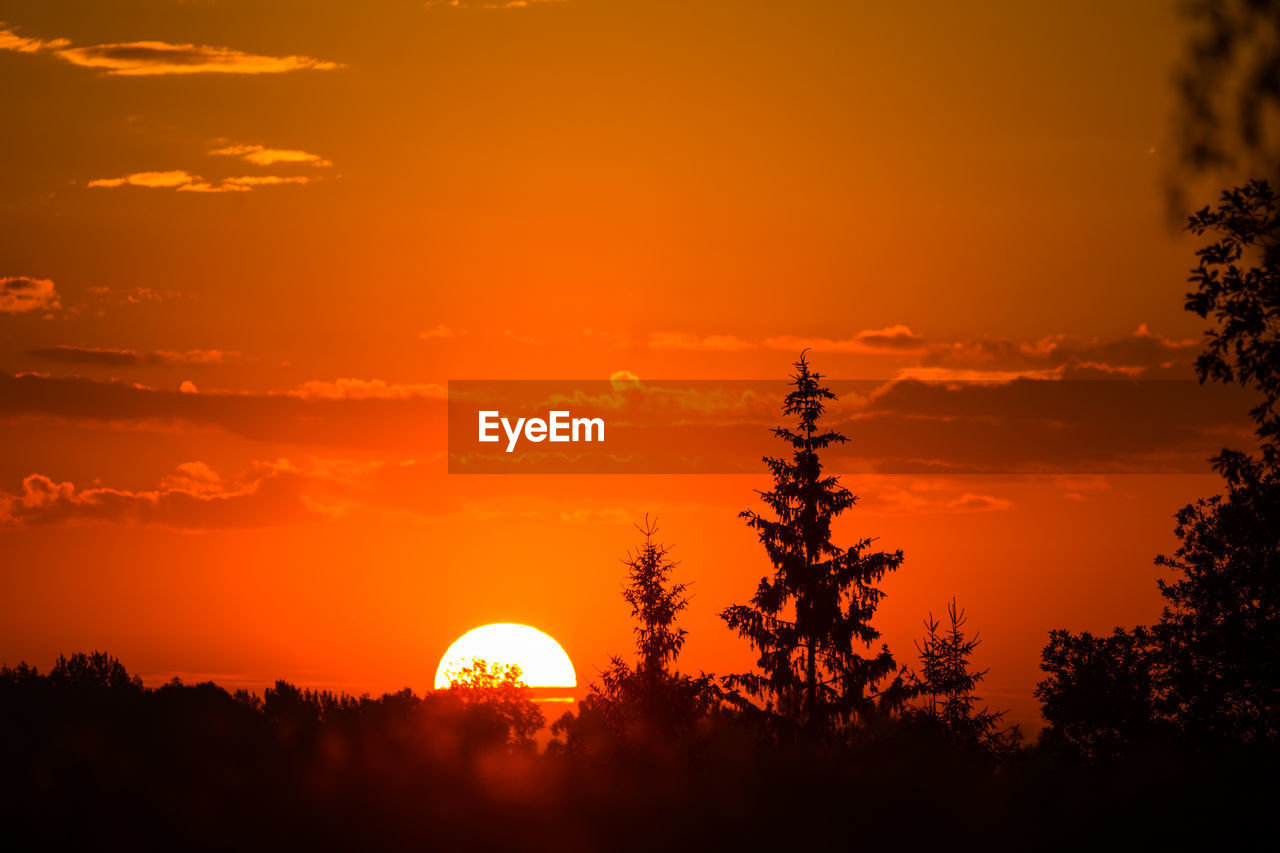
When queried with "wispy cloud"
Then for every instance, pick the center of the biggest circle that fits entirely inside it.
(152, 58)
(440, 330)
(894, 339)
(260, 155)
(708, 343)
(183, 181)
(9, 40)
(1142, 354)
(130, 358)
(172, 179)
(19, 294)
(365, 389)
(195, 497)
(486, 4)
(929, 496)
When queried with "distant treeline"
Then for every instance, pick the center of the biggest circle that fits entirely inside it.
(89, 758)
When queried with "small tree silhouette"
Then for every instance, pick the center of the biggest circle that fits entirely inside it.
(649, 703)
(948, 683)
(93, 671)
(500, 688)
(655, 602)
(808, 620)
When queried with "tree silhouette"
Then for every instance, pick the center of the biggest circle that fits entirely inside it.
(1220, 630)
(501, 690)
(1099, 694)
(655, 602)
(948, 685)
(1209, 670)
(92, 671)
(1238, 284)
(650, 702)
(808, 620)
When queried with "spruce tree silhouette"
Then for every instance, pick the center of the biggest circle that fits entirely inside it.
(948, 684)
(810, 618)
(650, 704)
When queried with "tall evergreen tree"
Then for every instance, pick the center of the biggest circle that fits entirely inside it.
(809, 620)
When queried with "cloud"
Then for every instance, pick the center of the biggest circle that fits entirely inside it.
(898, 339)
(244, 183)
(262, 156)
(194, 498)
(929, 496)
(151, 58)
(366, 389)
(132, 296)
(1041, 426)
(978, 503)
(902, 426)
(130, 358)
(183, 181)
(440, 330)
(686, 341)
(486, 4)
(365, 414)
(151, 180)
(1142, 353)
(9, 40)
(597, 516)
(19, 294)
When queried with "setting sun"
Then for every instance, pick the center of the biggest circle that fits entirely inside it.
(541, 660)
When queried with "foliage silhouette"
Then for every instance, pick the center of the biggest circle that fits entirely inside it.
(1207, 675)
(1099, 696)
(648, 705)
(501, 690)
(812, 675)
(102, 762)
(1229, 88)
(947, 684)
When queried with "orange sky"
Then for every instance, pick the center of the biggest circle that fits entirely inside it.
(314, 214)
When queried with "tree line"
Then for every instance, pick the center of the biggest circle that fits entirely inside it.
(828, 739)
